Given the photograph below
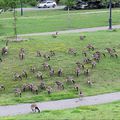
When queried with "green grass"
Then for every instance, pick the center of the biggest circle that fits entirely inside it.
(47, 13)
(105, 76)
(45, 21)
(100, 112)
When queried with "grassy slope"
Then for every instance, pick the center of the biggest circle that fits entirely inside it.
(99, 112)
(106, 75)
(44, 21)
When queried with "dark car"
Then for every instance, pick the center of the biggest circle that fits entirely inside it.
(86, 5)
(81, 5)
(77, 6)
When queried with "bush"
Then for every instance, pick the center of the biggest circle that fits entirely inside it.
(33, 2)
(29, 2)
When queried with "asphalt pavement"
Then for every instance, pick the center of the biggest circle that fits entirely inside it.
(35, 8)
(94, 29)
(12, 110)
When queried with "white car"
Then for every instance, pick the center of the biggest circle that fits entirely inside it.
(47, 4)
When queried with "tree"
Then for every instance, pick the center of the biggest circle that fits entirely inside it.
(3, 5)
(103, 2)
(10, 4)
(30, 2)
(57, 1)
(69, 3)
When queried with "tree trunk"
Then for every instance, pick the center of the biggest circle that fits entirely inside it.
(14, 24)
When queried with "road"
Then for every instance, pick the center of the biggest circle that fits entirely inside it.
(73, 31)
(12, 110)
(35, 8)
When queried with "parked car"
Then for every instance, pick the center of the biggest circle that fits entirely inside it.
(81, 5)
(47, 4)
(86, 5)
(78, 6)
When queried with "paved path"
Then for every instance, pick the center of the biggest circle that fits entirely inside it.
(73, 31)
(60, 104)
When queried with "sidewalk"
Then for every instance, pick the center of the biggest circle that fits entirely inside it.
(72, 31)
(11, 110)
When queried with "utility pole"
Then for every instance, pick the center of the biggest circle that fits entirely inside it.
(110, 15)
(21, 7)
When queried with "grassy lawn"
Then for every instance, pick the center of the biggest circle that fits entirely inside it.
(99, 112)
(105, 76)
(55, 20)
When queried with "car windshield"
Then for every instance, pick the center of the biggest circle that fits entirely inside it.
(49, 2)
(43, 2)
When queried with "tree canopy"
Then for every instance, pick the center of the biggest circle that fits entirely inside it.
(103, 3)
(69, 3)
(8, 4)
